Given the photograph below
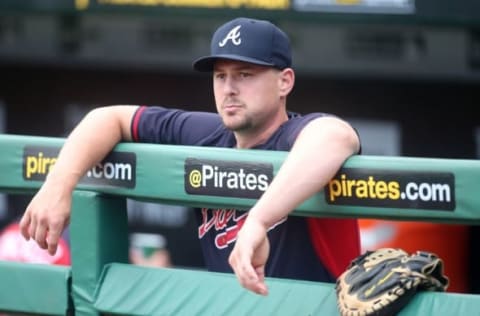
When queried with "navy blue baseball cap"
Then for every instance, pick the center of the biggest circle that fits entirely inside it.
(254, 41)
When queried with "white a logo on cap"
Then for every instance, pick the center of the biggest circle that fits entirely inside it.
(233, 35)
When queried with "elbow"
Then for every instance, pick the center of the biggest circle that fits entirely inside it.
(336, 134)
(350, 138)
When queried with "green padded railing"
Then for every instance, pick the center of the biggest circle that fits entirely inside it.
(185, 293)
(158, 172)
(100, 279)
(27, 287)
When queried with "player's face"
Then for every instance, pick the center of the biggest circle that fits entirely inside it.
(248, 97)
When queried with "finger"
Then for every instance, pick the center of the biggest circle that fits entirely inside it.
(240, 269)
(260, 289)
(40, 235)
(256, 282)
(261, 286)
(25, 225)
(260, 272)
(53, 238)
(52, 248)
(256, 286)
(32, 227)
(250, 279)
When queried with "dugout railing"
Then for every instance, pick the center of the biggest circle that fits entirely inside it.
(100, 281)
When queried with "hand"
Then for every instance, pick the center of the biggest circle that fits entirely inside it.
(249, 256)
(46, 217)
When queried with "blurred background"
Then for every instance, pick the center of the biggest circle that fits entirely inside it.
(406, 73)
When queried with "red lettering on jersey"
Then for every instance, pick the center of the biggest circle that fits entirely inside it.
(224, 239)
(220, 219)
(206, 223)
(226, 223)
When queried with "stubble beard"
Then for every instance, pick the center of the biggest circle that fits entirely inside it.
(242, 124)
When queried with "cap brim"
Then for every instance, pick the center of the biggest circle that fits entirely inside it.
(205, 64)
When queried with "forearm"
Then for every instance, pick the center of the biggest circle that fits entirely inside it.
(318, 153)
(91, 140)
(94, 137)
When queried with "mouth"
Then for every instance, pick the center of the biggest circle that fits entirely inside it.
(232, 107)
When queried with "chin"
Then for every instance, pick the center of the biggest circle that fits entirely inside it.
(236, 125)
(231, 125)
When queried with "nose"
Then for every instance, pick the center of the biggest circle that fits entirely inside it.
(230, 86)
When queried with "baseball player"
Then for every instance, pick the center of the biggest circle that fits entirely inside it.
(250, 63)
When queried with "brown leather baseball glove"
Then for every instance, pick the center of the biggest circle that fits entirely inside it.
(382, 282)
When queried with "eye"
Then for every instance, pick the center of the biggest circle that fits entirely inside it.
(219, 76)
(245, 74)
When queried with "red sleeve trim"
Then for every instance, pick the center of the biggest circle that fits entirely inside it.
(135, 122)
(336, 242)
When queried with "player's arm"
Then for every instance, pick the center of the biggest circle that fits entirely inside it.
(319, 151)
(90, 141)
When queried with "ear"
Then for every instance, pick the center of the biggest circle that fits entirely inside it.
(287, 81)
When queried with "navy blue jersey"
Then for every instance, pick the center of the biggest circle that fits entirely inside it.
(300, 248)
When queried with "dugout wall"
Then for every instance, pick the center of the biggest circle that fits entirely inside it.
(100, 281)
